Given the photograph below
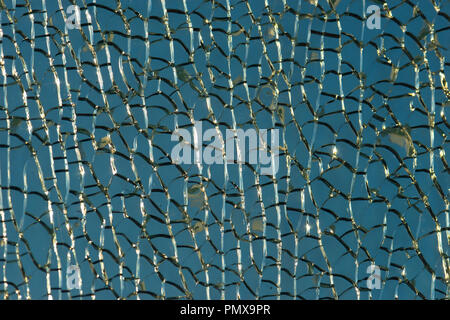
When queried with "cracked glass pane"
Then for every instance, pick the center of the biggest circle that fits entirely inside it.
(276, 149)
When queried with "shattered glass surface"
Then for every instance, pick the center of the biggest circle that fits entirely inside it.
(88, 182)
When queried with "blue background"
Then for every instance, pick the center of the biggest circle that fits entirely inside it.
(140, 209)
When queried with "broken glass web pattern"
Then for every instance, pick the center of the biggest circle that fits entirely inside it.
(93, 205)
